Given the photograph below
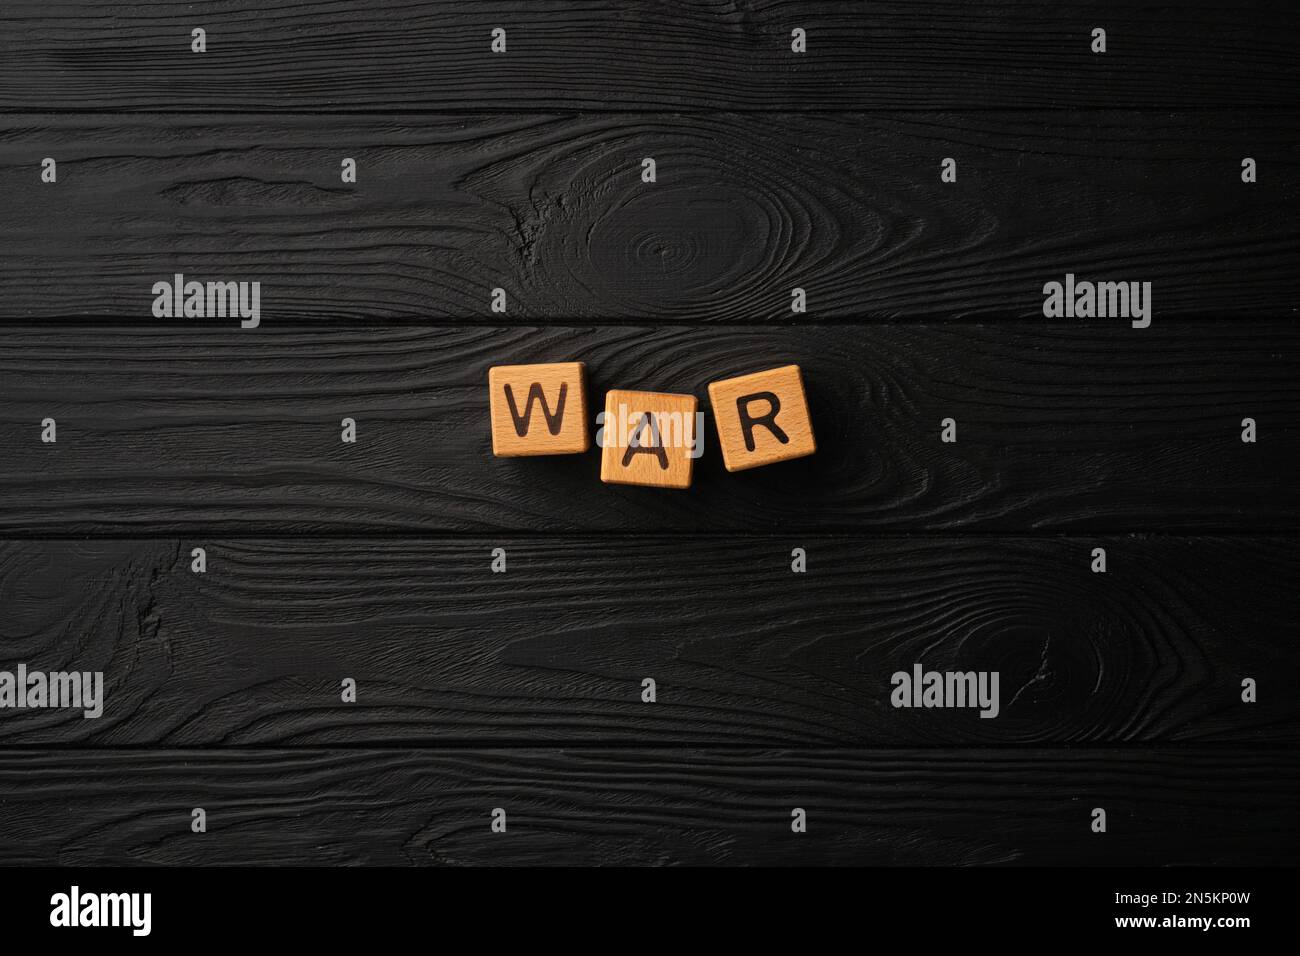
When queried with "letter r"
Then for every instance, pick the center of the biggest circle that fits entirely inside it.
(767, 420)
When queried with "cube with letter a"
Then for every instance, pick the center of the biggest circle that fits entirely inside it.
(762, 418)
(538, 409)
(649, 438)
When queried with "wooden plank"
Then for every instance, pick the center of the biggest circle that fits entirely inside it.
(743, 652)
(1085, 426)
(552, 210)
(323, 55)
(633, 806)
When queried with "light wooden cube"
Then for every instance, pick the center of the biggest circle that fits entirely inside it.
(538, 409)
(650, 438)
(762, 418)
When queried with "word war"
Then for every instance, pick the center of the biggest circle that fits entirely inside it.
(649, 439)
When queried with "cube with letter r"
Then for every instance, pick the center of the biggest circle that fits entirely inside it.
(538, 409)
(762, 418)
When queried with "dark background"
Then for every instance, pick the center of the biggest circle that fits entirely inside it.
(522, 690)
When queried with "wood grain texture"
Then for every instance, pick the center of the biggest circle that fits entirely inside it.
(1089, 426)
(522, 690)
(552, 209)
(636, 806)
(326, 56)
(744, 653)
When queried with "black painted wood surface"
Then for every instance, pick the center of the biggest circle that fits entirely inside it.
(849, 207)
(743, 652)
(522, 690)
(398, 806)
(1060, 426)
(325, 56)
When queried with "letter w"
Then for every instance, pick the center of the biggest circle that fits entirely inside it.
(553, 421)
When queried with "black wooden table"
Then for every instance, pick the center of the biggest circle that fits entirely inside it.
(178, 512)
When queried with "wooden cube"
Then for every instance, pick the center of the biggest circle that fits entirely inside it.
(762, 418)
(538, 409)
(649, 438)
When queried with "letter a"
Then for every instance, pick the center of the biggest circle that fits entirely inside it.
(49, 170)
(656, 448)
(1053, 301)
(162, 303)
(59, 914)
(902, 694)
(199, 40)
(799, 40)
